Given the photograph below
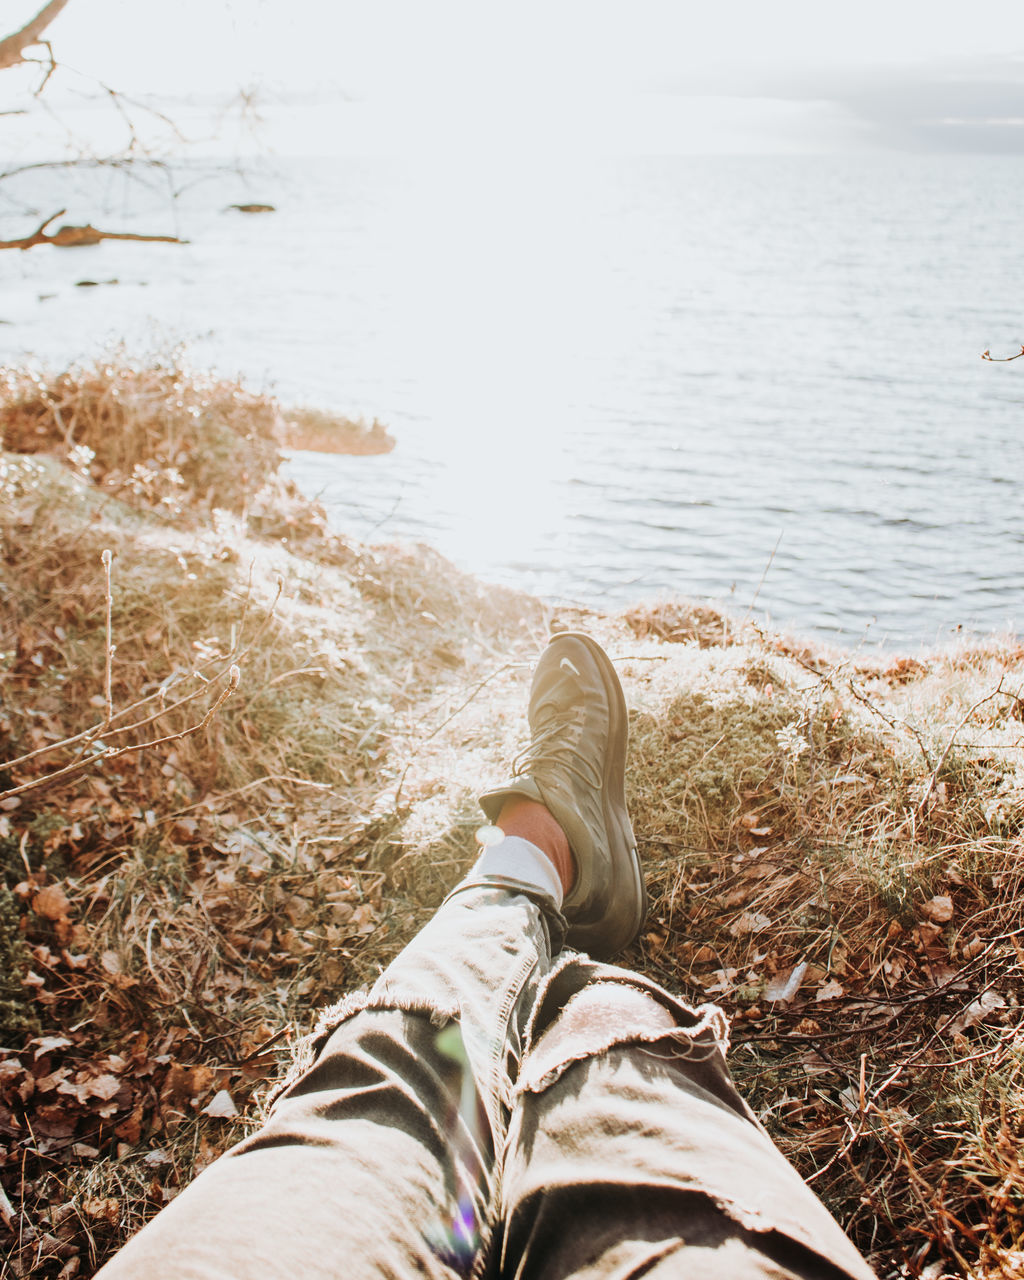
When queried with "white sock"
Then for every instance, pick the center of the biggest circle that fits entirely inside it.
(519, 859)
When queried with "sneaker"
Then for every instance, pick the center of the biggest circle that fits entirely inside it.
(575, 766)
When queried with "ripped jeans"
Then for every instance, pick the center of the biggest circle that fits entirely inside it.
(487, 1109)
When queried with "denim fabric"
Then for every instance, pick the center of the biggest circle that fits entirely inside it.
(485, 1109)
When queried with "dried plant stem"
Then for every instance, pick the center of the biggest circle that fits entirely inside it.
(477, 688)
(165, 710)
(114, 753)
(97, 730)
(891, 721)
(965, 719)
(109, 648)
(90, 735)
(764, 575)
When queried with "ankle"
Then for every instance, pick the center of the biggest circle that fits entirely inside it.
(534, 822)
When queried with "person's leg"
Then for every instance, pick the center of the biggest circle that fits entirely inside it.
(628, 1148)
(630, 1151)
(379, 1158)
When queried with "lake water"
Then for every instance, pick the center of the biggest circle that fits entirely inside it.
(612, 380)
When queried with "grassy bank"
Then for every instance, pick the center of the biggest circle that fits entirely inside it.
(272, 783)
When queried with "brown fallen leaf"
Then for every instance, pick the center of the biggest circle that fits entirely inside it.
(749, 922)
(54, 1121)
(943, 975)
(103, 1087)
(927, 933)
(130, 1129)
(784, 986)
(365, 919)
(51, 902)
(724, 981)
(221, 1106)
(939, 909)
(186, 1084)
(47, 1083)
(977, 1011)
(108, 1207)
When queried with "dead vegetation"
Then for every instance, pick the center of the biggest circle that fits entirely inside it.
(836, 856)
(321, 432)
(167, 439)
(834, 849)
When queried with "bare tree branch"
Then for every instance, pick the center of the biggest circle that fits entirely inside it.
(67, 237)
(12, 47)
(51, 68)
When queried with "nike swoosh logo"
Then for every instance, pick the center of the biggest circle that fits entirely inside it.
(566, 664)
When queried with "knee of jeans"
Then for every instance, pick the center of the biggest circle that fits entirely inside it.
(307, 1052)
(586, 1009)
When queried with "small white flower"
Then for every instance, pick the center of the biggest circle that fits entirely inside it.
(791, 740)
(80, 456)
(141, 479)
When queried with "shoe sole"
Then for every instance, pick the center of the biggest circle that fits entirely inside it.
(613, 796)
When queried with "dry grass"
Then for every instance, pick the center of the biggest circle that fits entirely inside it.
(157, 434)
(860, 829)
(322, 432)
(834, 849)
(160, 435)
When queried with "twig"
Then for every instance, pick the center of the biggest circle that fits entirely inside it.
(109, 648)
(933, 778)
(477, 688)
(1002, 359)
(51, 67)
(83, 162)
(37, 236)
(114, 753)
(840, 1151)
(826, 677)
(1008, 1037)
(891, 721)
(260, 1050)
(234, 675)
(771, 561)
(91, 734)
(23, 850)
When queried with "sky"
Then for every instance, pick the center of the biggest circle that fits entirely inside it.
(607, 75)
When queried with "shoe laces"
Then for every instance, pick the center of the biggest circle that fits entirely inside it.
(553, 747)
